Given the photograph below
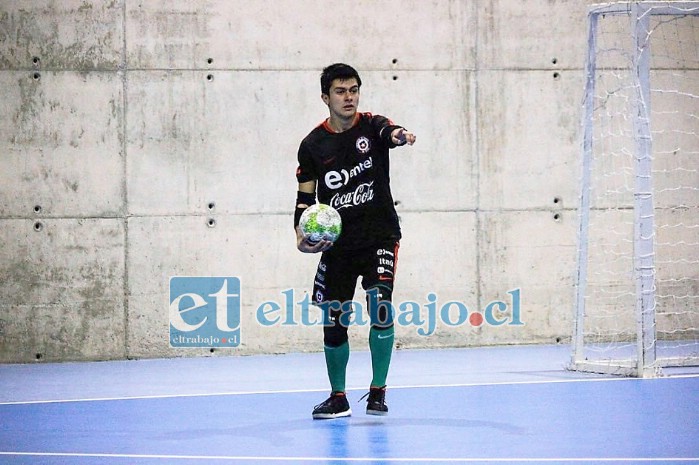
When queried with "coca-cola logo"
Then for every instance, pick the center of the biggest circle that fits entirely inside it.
(362, 194)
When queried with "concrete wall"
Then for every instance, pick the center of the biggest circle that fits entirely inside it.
(126, 127)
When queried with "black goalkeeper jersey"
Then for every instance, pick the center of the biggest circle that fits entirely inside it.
(352, 173)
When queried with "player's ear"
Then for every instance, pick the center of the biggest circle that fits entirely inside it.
(325, 98)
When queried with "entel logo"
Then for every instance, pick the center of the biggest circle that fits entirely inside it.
(335, 179)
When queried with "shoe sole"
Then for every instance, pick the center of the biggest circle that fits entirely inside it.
(376, 412)
(330, 416)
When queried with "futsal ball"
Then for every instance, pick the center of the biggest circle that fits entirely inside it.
(320, 221)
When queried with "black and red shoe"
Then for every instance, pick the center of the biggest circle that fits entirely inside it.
(376, 403)
(335, 406)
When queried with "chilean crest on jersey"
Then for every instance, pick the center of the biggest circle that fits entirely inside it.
(363, 145)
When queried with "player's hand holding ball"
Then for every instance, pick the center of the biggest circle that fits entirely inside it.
(318, 229)
(307, 246)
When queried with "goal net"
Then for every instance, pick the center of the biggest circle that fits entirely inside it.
(637, 280)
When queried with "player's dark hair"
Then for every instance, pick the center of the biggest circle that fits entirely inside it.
(339, 71)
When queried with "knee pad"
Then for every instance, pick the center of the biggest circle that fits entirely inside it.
(335, 323)
(334, 334)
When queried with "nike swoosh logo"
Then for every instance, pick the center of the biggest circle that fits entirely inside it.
(384, 337)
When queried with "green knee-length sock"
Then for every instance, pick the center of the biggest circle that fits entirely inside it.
(381, 347)
(336, 359)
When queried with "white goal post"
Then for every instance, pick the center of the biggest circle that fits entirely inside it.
(637, 278)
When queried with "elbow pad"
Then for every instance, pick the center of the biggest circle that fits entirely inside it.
(303, 198)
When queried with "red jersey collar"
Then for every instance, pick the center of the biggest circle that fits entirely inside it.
(327, 127)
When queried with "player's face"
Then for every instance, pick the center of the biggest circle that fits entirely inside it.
(343, 98)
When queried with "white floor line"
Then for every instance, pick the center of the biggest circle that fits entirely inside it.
(296, 391)
(353, 459)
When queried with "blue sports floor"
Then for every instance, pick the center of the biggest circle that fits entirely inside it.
(481, 405)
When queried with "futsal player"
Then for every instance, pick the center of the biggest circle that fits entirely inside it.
(345, 162)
